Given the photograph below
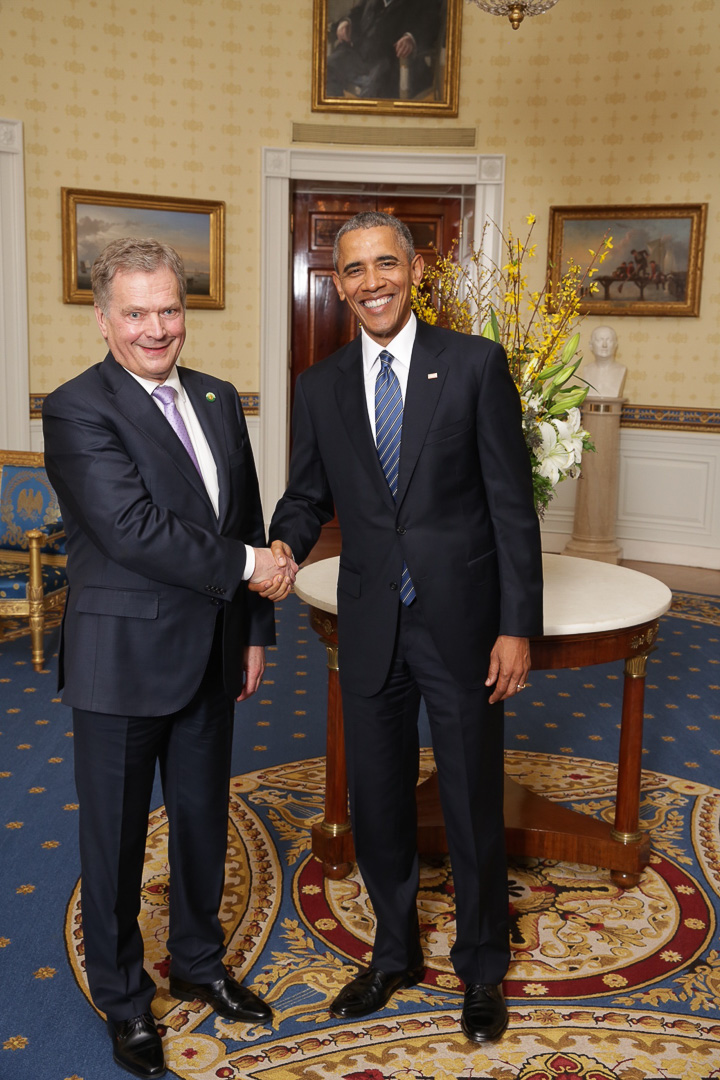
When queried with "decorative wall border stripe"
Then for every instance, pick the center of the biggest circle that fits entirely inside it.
(670, 418)
(633, 416)
(250, 403)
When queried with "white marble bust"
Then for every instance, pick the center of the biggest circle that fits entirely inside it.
(605, 376)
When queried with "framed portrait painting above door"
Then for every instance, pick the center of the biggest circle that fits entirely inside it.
(391, 57)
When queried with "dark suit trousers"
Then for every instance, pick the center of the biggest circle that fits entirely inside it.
(382, 747)
(115, 760)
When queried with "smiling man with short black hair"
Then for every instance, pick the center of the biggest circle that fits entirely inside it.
(412, 435)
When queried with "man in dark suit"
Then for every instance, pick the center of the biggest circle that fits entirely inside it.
(379, 40)
(439, 588)
(157, 487)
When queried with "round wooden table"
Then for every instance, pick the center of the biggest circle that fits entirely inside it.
(594, 613)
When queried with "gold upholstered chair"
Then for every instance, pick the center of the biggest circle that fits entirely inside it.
(33, 579)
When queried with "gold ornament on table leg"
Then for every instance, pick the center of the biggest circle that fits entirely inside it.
(516, 10)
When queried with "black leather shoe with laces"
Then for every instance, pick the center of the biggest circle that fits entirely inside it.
(137, 1046)
(226, 996)
(371, 991)
(484, 1015)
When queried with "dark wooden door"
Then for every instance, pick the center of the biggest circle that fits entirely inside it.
(321, 322)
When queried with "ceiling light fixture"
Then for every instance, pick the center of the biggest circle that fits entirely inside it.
(516, 10)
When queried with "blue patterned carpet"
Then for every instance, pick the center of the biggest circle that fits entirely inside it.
(633, 966)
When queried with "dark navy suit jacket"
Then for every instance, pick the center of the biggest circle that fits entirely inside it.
(464, 519)
(150, 566)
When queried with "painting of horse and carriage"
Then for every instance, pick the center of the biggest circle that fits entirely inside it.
(653, 265)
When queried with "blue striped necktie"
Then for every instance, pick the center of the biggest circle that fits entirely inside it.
(388, 431)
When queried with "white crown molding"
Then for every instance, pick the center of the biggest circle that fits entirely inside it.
(280, 166)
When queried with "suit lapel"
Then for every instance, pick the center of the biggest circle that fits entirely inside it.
(352, 404)
(425, 383)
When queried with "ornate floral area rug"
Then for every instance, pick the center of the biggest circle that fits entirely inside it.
(603, 983)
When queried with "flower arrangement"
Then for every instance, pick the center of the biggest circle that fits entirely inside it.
(537, 330)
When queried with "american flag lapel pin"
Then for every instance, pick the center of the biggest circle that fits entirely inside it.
(432, 375)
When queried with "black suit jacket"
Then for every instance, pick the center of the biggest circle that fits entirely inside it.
(464, 519)
(149, 564)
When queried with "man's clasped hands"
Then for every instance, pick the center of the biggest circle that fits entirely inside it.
(275, 570)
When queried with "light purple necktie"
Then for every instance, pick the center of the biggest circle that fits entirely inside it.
(166, 396)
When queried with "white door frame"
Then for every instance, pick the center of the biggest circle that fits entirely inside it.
(14, 377)
(280, 166)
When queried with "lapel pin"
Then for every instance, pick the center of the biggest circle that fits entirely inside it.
(432, 375)
(209, 396)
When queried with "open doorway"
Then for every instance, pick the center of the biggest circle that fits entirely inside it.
(337, 172)
(321, 322)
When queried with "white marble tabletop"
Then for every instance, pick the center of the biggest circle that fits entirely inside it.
(581, 596)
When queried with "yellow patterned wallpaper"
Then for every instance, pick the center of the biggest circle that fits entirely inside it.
(598, 101)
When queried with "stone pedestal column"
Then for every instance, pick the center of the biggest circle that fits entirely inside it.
(597, 490)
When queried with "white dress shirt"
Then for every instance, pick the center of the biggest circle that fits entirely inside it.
(401, 348)
(200, 445)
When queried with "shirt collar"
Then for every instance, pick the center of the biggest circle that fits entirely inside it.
(401, 346)
(173, 380)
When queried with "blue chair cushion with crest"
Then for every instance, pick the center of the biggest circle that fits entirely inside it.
(14, 578)
(27, 501)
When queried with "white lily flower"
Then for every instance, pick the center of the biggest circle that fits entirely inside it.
(571, 435)
(554, 457)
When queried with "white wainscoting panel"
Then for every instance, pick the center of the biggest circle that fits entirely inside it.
(668, 501)
(36, 436)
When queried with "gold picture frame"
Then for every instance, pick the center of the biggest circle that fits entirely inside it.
(654, 266)
(194, 227)
(423, 83)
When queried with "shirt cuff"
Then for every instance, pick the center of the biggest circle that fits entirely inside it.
(249, 563)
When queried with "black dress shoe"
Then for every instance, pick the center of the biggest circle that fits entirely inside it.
(137, 1046)
(226, 996)
(371, 991)
(484, 1015)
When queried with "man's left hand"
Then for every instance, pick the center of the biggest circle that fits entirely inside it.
(509, 667)
(253, 666)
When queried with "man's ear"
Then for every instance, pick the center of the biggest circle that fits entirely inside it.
(99, 315)
(417, 268)
(338, 285)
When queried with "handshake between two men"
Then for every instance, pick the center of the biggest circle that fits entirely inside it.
(275, 571)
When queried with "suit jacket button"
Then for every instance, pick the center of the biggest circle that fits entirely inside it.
(401, 530)
(393, 584)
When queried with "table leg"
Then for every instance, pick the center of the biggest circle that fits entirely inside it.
(627, 800)
(331, 838)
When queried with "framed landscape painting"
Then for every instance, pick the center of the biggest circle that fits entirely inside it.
(400, 58)
(654, 266)
(194, 227)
